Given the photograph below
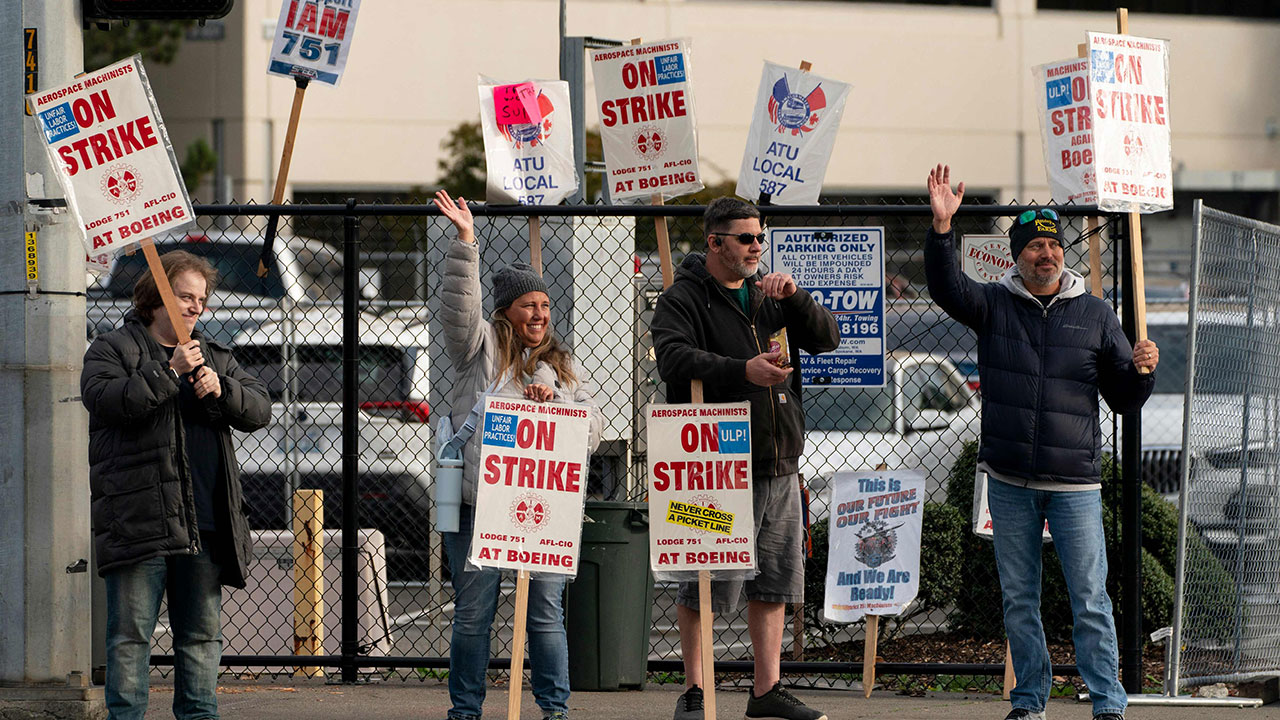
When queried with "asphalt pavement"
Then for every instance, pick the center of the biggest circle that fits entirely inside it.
(414, 700)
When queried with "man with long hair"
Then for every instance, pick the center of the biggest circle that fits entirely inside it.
(165, 487)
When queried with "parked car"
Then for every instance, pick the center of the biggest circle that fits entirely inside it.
(299, 359)
(308, 273)
(921, 418)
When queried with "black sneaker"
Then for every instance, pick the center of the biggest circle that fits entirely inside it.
(1108, 716)
(1024, 714)
(778, 704)
(689, 706)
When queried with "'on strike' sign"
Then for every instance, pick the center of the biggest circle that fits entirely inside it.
(1129, 90)
(646, 119)
(112, 156)
(530, 489)
(700, 505)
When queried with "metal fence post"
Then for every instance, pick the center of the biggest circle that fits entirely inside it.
(350, 439)
(1130, 507)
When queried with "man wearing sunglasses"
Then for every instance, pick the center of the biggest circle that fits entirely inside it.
(1046, 349)
(715, 324)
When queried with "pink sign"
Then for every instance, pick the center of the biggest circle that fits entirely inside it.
(516, 104)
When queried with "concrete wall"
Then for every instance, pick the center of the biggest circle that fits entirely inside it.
(930, 84)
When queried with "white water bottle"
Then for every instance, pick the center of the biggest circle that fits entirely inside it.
(447, 486)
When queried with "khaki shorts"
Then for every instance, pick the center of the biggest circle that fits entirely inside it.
(779, 551)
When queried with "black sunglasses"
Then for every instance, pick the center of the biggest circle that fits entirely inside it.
(745, 238)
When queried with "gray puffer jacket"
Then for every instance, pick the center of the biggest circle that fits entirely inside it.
(143, 504)
(472, 347)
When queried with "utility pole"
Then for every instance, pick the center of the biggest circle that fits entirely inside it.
(44, 477)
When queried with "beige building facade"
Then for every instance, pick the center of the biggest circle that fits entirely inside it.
(930, 84)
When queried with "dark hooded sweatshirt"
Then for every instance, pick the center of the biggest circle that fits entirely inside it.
(700, 332)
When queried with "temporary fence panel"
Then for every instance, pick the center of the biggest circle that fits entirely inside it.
(1228, 589)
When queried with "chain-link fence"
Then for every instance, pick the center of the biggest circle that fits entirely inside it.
(387, 603)
(1229, 549)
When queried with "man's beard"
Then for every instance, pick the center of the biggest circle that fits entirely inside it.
(1036, 276)
(740, 269)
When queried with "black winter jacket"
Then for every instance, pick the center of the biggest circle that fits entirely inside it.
(140, 487)
(700, 332)
(1041, 368)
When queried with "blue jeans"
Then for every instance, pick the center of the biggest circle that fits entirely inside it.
(1075, 521)
(475, 599)
(195, 616)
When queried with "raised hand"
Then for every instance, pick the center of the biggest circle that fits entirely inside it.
(458, 213)
(943, 202)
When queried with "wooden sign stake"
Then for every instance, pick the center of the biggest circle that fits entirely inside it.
(1010, 680)
(286, 157)
(516, 686)
(535, 243)
(871, 637)
(870, 640)
(1095, 242)
(1135, 237)
(308, 577)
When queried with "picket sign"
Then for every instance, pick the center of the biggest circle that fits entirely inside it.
(705, 617)
(312, 40)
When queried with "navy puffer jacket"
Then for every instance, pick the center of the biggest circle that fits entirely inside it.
(1041, 368)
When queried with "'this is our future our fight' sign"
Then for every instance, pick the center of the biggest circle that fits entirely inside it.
(843, 269)
(985, 258)
(112, 156)
(1129, 101)
(528, 142)
(646, 119)
(313, 38)
(793, 129)
(700, 505)
(1066, 129)
(873, 558)
(530, 490)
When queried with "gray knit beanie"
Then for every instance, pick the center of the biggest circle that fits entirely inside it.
(513, 281)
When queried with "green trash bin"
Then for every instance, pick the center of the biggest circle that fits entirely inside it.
(609, 607)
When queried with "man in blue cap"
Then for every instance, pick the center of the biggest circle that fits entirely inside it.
(1046, 349)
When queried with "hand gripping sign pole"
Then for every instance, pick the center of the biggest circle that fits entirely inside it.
(706, 620)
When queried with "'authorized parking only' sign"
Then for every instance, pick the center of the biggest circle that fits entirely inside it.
(843, 269)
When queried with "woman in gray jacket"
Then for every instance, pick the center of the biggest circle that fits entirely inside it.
(514, 354)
